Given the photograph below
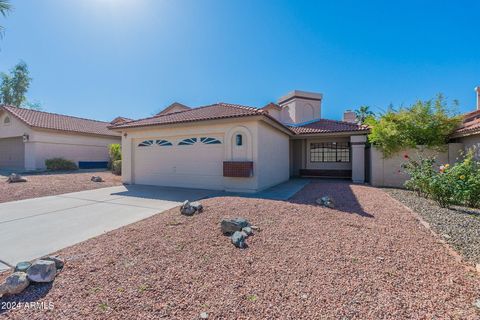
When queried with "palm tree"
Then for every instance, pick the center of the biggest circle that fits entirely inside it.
(5, 7)
(362, 113)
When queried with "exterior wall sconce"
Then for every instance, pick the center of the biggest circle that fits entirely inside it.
(125, 134)
(26, 137)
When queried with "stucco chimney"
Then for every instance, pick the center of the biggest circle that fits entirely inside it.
(477, 89)
(349, 116)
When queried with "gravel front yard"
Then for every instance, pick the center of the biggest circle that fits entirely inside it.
(367, 259)
(460, 227)
(49, 184)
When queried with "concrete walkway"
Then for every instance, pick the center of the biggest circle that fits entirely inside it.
(35, 227)
(282, 191)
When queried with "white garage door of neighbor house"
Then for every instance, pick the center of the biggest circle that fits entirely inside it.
(195, 162)
(12, 153)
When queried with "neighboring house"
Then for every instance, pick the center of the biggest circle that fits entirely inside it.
(28, 138)
(237, 148)
(469, 132)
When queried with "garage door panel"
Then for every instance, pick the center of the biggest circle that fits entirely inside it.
(193, 166)
(12, 153)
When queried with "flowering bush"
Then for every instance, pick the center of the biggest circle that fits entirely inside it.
(445, 184)
(466, 180)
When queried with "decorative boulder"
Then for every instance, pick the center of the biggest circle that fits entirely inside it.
(198, 206)
(22, 266)
(58, 262)
(96, 179)
(238, 239)
(42, 271)
(230, 226)
(325, 201)
(14, 283)
(14, 178)
(248, 231)
(190, 208)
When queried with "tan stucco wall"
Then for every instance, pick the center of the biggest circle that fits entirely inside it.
(388, 172)
(43, 145)
(470, 142)
(16, 128)
(274, 159)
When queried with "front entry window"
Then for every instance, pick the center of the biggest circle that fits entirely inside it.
(239, 140)
(330, 152)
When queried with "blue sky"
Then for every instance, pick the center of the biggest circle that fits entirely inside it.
(104, 58)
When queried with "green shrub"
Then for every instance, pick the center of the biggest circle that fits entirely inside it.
(428, 123)
(114, 153)
(57, 164)
(421, 173)
(117, 167)
(442, 189)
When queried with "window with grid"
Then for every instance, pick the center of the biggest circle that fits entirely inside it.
(330, 152)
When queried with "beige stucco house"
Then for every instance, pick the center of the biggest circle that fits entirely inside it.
(238, 148)
(29, 137)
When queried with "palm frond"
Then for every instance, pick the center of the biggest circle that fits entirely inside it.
(5, 7)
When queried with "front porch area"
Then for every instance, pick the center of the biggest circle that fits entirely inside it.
(329, 156)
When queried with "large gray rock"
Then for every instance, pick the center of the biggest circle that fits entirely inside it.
(14, 283)
(229, 226)
(325, 201)
(238, 239)
(42, 271)
(96, 179)
(58, 262)
(14, 178)
(248, 230)
(190, 208)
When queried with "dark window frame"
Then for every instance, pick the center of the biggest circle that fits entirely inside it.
(333, 152)
(239, 140)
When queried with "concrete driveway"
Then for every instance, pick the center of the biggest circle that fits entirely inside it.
(35, 227)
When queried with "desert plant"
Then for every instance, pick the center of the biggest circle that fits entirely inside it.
(56, 164)
(114, 153)
(117, 167)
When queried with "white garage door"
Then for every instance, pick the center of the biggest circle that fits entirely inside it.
(12, 153)
(195, 162)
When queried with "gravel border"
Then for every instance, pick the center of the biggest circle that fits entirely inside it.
(458, 226)
(369, 258)
(55, 183)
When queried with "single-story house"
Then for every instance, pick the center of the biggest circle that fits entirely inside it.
(469, 132)
(29, 137)
(232, 147)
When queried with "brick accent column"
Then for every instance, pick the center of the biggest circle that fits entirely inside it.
(358, 158)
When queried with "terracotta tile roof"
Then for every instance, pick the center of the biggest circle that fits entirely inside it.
(53, 121)
(226, 110)
(470, 124)
(210, 112)
(272, 105)
(327, 126)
